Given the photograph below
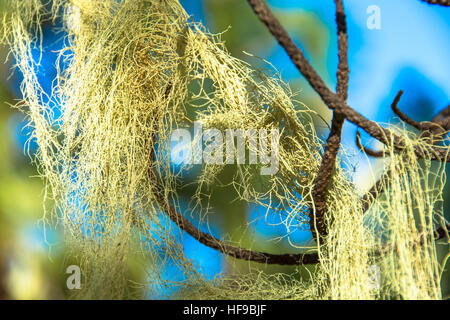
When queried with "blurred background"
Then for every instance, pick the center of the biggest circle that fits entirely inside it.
(406, 49)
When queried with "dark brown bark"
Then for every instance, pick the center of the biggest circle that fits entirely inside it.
(445, 3)
(236, 252)
(317, 213)
(341, 111)
(332, 100)
(403, 116)
(368, 151)
(208, 240)
(435, 130)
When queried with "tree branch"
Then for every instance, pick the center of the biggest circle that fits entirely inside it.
(236, 252)
(441, 116)
(341, 111)
(368, 151)
(343, 71)
(440, 124)
(332, 100)
(387, 137)
(432, 129)
(403, 116)
(208, 240)
(445, 3)
(369, 198)
(297, 57)
(317, 213)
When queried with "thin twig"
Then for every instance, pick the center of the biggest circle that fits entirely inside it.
(437, 128)
(368, 151)
(438, 125)
(403, 116)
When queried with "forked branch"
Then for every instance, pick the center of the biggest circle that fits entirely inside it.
(341, 111)
(332, 100)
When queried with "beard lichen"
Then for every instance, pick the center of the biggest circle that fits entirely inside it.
(137, 70)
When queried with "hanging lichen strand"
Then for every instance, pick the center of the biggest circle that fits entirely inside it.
(134, 69)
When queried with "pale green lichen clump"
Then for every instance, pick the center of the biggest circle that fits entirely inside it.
(135, 68)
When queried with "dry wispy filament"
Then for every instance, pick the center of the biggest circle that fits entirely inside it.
(132, 67)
